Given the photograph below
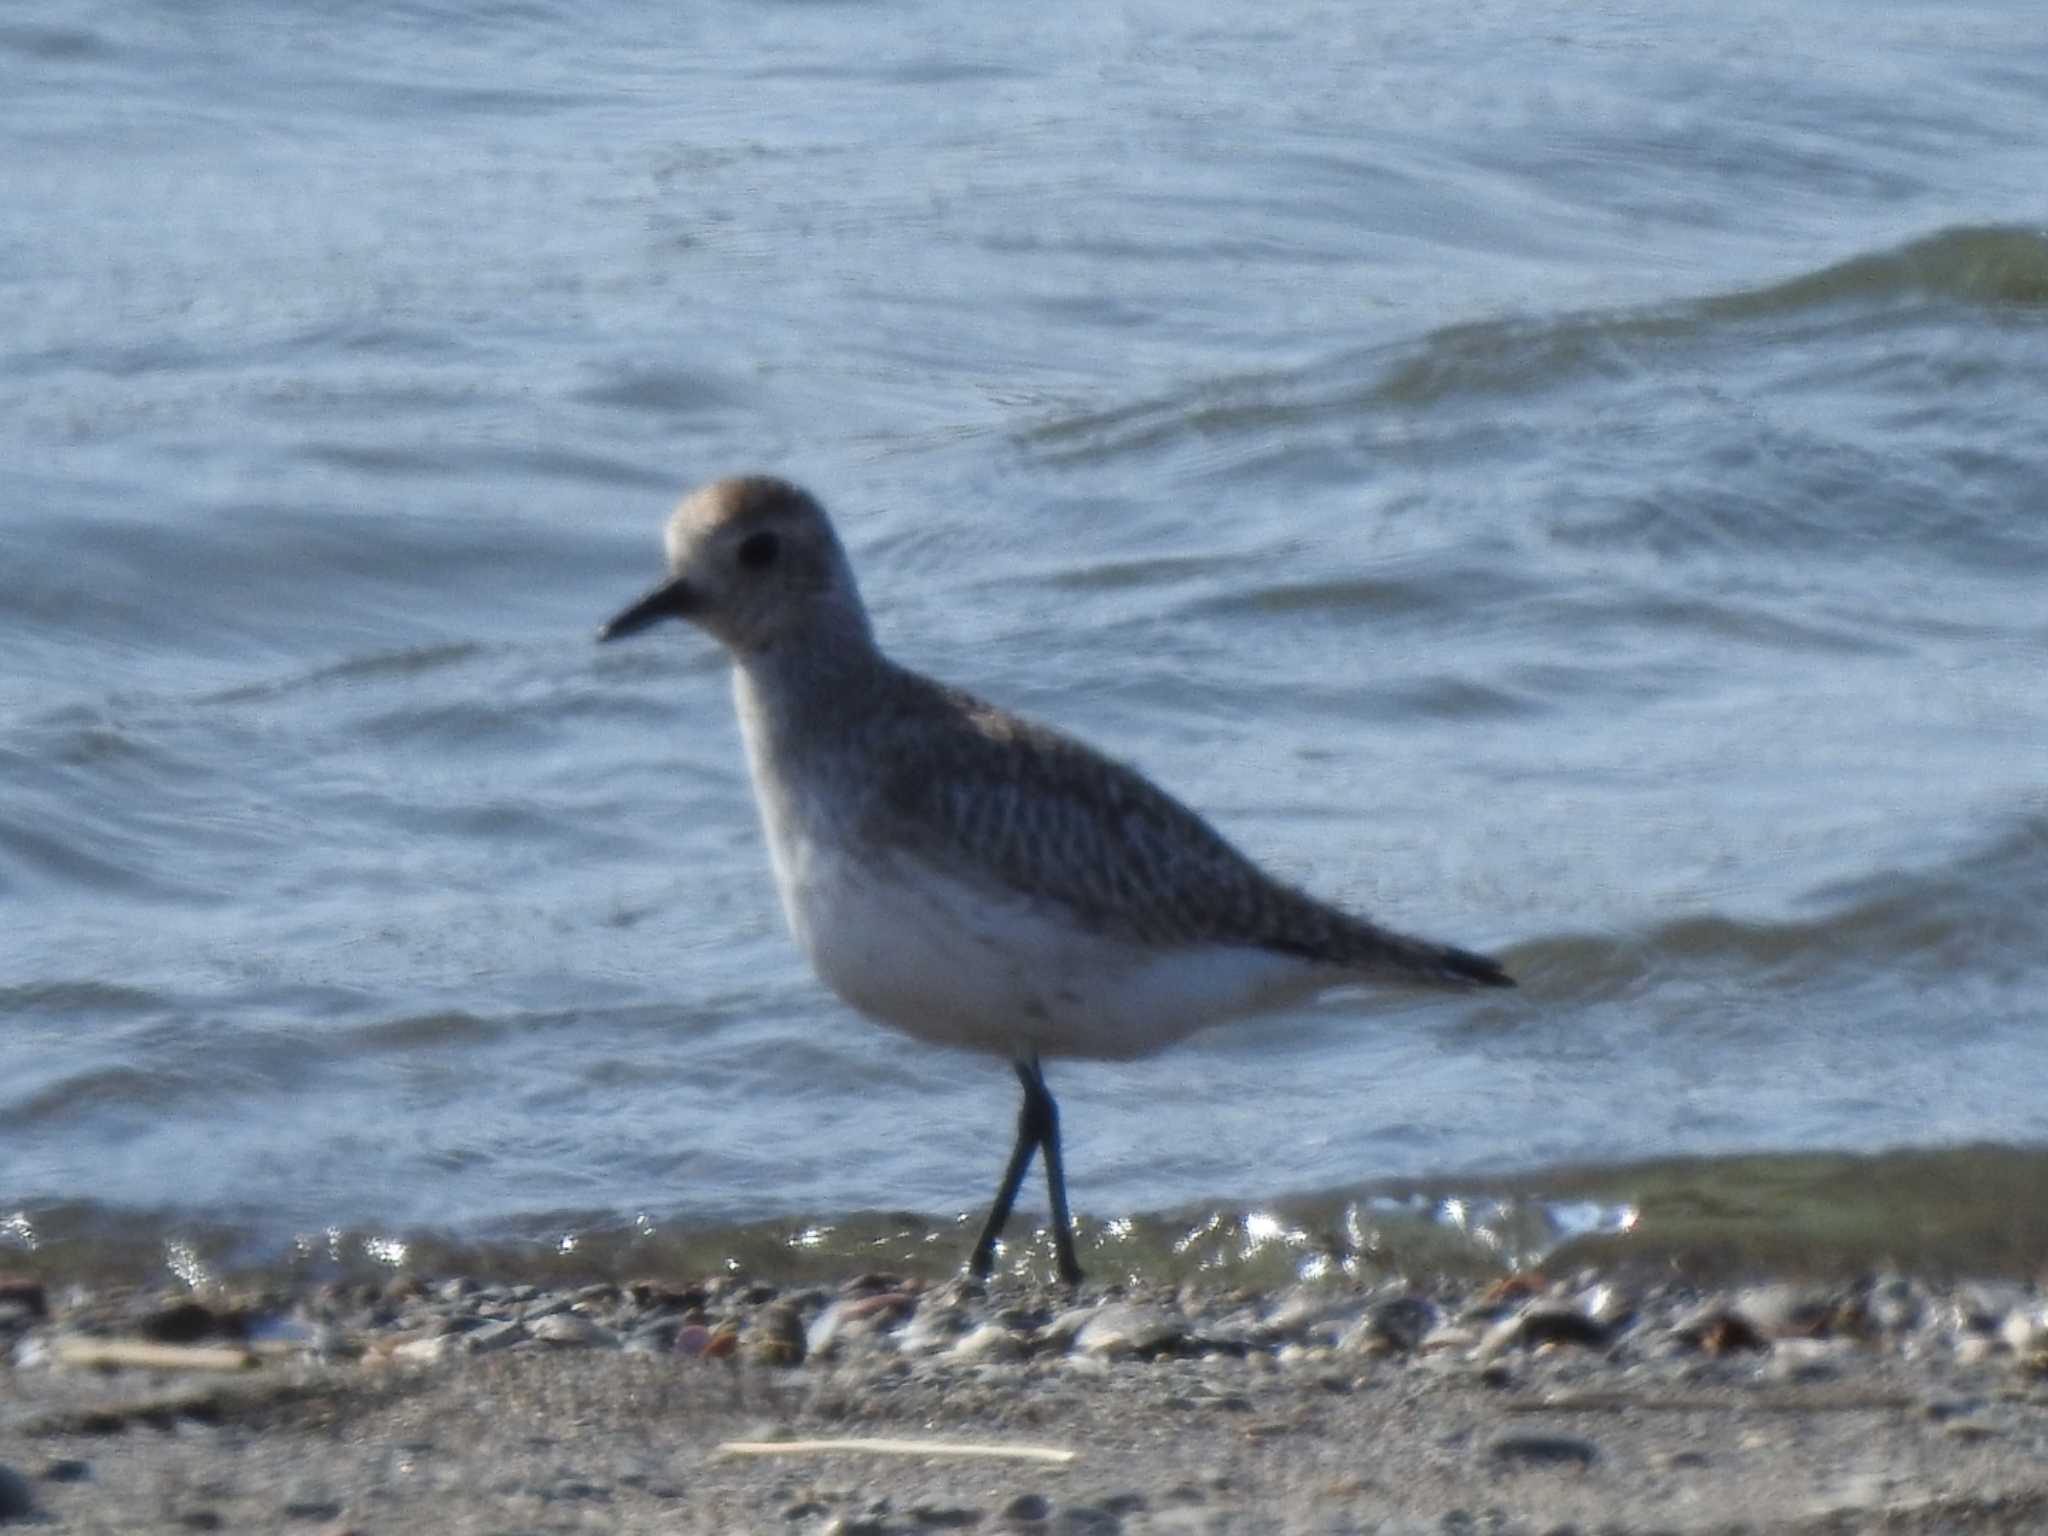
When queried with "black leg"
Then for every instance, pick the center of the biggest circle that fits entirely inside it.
(1056, 1185)
(1038, 1126)
(984, 1256)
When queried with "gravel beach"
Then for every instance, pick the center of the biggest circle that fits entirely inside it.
(883, 1405)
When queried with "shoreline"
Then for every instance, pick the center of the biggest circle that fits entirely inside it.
(1953, 1212)
(1586, 1401)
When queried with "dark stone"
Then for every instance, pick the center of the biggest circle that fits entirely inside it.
(573, 1489)
(1028, 1506)
(659, 1295)
(1717, 1331)
(25, 1292)
(17, 1501)
(185, 1322)
(1400, 1322)
(1543, 1450)
(1560, 1325)
(945, 1517)
(67, 1469)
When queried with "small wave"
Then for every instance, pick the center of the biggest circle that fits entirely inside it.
(426, 1031)
(1382, 597)
(46, 42)
(673, 394)
(1991, 267)
(381, 664)
(75, 1098)
(1120, 575)
(1984, 913)
(57, 850)
(70, 999)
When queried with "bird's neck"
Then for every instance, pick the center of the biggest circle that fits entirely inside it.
(812, 687)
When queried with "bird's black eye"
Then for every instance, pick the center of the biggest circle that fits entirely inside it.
(757, 551)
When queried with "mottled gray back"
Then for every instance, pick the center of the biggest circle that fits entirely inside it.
(988, 796)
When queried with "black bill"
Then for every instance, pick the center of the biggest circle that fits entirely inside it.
(671, 600)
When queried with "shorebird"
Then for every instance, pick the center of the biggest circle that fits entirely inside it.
(977, 879)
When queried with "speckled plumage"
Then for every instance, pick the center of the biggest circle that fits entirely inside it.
(997, 798)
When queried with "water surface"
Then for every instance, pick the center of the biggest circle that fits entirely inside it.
(1566, 480)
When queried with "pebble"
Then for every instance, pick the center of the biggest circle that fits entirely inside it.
(661, 1295)
(2023, 1332)
(1543, 1450)
(1970, 1430)
(1895, 1305)
(1302, 1309)
(23, 1298)
(1805, 1360)
(183, 1322)
(1975, 1349)
(1608, 1305)
(1128, 1328)
(853, 1318)
(1086, 1520)
(499, 1335)
(1060, 1332)
(1984, 1304)
(1028, 1506)
(655, 1338)
(1716, 1328)
(1447, 1338)
(1542, 1323)
(427, 1351)
(570, 1329)
(932, 1328)
(945, 1517)
(312, 1504)
(989, 1342)
(1397, 1325)
(1681, 1461)
(1784, 1310)
(17, 1502)
(776, 1337)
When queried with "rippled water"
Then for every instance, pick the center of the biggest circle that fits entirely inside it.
(1567, 480)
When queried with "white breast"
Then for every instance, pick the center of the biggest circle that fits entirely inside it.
(959, 965)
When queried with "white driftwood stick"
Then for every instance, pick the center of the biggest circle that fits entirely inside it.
(148, 1355)
(1042, 1453)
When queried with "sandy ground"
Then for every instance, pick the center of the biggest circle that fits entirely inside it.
(549, 1439)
